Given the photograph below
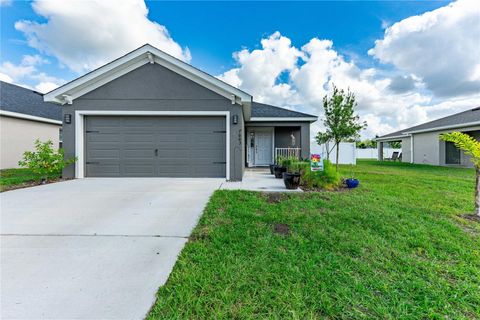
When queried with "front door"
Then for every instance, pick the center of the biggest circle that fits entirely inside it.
(263, 148)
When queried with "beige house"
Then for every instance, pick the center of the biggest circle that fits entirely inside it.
(421, 144)
(25, 117)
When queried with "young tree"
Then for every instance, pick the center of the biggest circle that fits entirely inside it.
(471, 147)
(45, 161)
(325, 138)
(340, 120)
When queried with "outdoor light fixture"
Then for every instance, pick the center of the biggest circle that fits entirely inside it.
(235, 119)
(67, 118)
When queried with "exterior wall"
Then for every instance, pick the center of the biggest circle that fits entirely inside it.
(428, 149)
(283, 131)
(283, 137)
(154, 88)
(406, 150)
(19, 135)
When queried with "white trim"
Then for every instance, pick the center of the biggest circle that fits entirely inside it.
(28, 117)
(468, 124)
(255, 119)
(80, 120)
(135, 59)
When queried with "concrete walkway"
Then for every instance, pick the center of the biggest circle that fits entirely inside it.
(94, 248)
(258, 179)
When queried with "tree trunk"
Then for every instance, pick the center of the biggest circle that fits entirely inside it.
(477, 191)
(336, 161)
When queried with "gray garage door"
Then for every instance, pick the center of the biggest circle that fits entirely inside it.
(121, 146)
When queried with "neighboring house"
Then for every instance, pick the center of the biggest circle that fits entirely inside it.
(421, 144)
(148, 114)
(25, 117)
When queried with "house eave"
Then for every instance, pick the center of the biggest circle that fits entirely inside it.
(135, 59)
(456, 126)
(28, 117)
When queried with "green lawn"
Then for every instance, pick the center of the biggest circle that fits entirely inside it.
(13, 178)
(395, 248)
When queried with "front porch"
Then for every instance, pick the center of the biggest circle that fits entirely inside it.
(264, 143)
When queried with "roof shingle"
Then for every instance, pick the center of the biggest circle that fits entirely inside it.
(261, 110)
(465, 117)
(17, 99)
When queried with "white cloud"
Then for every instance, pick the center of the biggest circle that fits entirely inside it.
(86, 34)
(27, 71)
(4, 3)
(260, 68)
(45, 87)
(6, 78)
(299, 78)
(442, 47)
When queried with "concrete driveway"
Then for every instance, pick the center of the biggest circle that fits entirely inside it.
(94, 248)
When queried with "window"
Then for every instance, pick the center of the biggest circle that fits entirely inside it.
(452, 153)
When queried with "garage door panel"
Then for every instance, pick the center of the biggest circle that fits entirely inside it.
(138, 153)
(155, 146)
(103, 154)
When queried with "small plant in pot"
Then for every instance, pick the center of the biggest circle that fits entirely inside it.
(352, 182)
(279, 168)
(291, 177)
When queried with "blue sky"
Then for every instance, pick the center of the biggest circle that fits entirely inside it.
(407, 61)
(214, 30)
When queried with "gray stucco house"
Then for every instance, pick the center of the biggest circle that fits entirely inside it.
(148, 114)
(421, 144)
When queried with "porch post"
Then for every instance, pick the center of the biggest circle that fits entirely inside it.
(380, 151)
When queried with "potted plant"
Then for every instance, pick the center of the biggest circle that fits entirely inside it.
(352, 182)
(279, 168)
(291, 177)
(272, 168)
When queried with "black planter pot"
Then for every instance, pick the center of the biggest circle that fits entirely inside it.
(278, 171)
(291, 180)
(272, 168)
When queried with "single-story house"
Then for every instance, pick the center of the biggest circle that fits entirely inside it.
(148, 114)
(421, 144)
(25, 117)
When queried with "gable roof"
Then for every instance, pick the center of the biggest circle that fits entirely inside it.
(139, 57)
(16, 101)
(266, 112)
(459, 120)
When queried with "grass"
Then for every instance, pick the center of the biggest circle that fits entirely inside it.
(395, 248)
(14, 178)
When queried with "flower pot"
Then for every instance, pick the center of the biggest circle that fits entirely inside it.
(291, 180)
(352, 183)
(278, 171)
(272, 168)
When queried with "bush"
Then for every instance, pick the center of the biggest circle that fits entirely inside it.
(291, 163)
(45, 161)
(327, 179)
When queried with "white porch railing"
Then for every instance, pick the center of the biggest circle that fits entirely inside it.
(287, 152)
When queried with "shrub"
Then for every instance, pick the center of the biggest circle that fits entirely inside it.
(327, 179)
(45, 161)
(289, 163)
